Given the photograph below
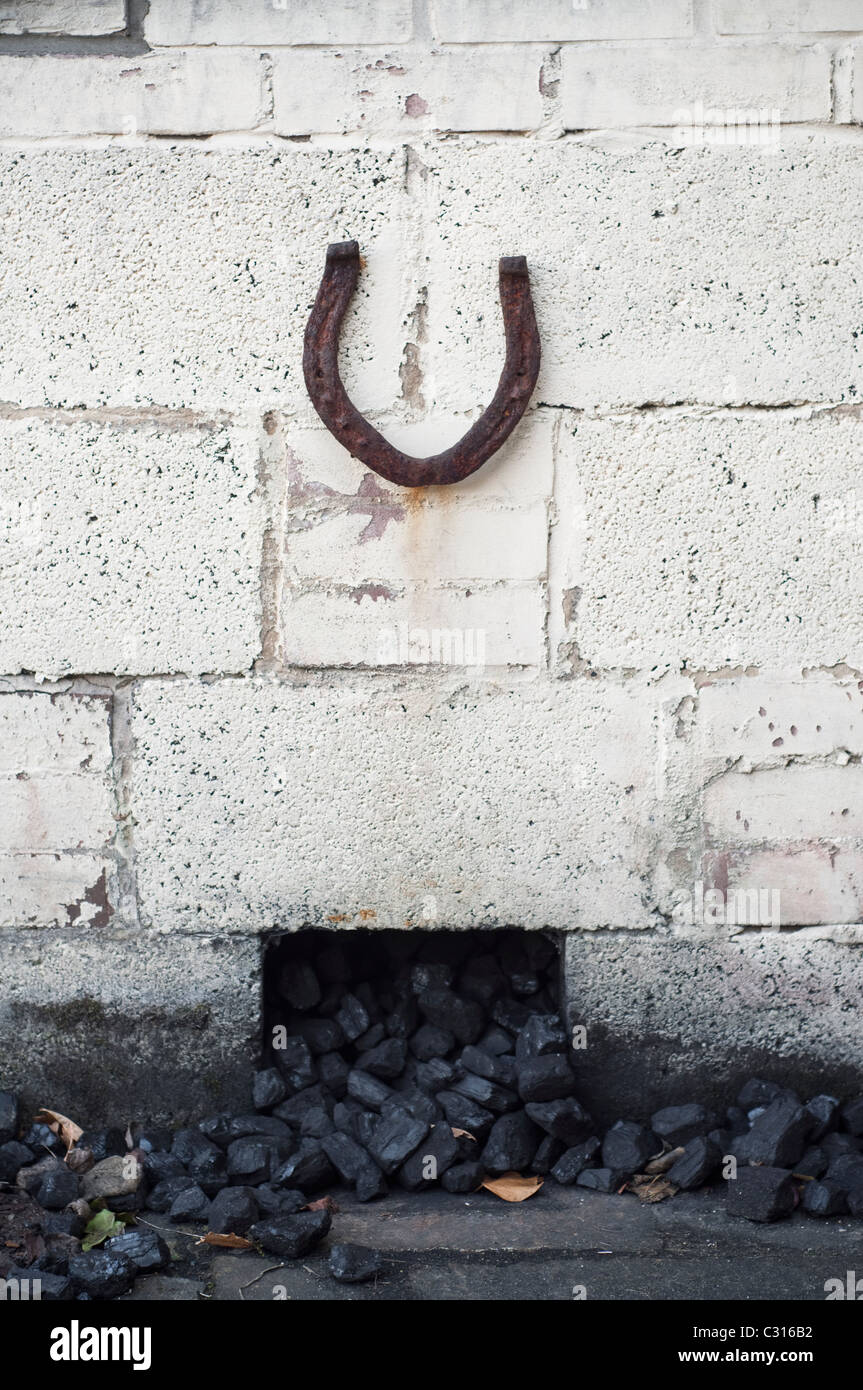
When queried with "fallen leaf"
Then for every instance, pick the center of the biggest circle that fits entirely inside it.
(321, 1204)
(466, 1132)
(100, 1227)
(664, 1161)
(512, 1187)
(229, 1242)
(61, 1125)
(650, 1188)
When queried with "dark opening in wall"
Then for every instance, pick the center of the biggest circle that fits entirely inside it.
(418, 1057)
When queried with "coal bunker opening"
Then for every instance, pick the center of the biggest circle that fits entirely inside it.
(415, 1058)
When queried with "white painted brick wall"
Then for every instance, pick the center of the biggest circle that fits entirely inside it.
(283, 690)
(82, 18)
(133, 547)
(56, 808)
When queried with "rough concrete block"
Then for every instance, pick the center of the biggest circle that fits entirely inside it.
(45, 805)
(224, 248)
(411, 93)
(133, 546)
(857, 84)
(277, 22)
(55, 797)
(725, 508)
(94, 1023)
(786, 16)
(489, 21)
(654, 278)
(369, 564)
(807, 803)
(81, 18)
(194, 93)
(807, 886)
(455, 807)
(700, 84)
(668, 1019)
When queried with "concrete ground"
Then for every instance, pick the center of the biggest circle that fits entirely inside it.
(552, 1247)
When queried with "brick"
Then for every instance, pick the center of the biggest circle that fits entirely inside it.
(367, 564)
(223, 277)
(786, 16)
(701, 83)
(160, 94)
(807, 885)
(407, 93)
(49, 803)
(82, 18)
(763, 720)
(423, 786)
(456, 626)
(55, 796)
(725, 508)
(143, 551)
(489, 21)
(648, 287)
(807, 803)
(277, 22)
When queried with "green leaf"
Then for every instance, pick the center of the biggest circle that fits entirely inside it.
(99, 1228)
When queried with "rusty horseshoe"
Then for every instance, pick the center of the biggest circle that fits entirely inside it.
(341, 417)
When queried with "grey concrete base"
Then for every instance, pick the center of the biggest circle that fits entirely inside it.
(113, 1027)
(670, 1019)
(564, 1244)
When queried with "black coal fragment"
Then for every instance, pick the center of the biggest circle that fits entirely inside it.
(602, 1179)
(511, 1144)
(144, 1247)
(852, 1116)
(268, 1088)
(191, 1204)
(698, 1162)
(677, 1124)
(315, 1123)
(496, 1040)
(367, 1090)
(12, 1157)
(299, 985)
(565, 1119)
(494, 1068)
(283, 1201)
(511, 1014)
(486, 1093)
(545, 1078)
(203, 1160)
(846, 1170)
(164, 1194)
(308, 1169)
(761, 1194)
(352, 1017)
(101, 1274)
(431, 1076)
(333, 1071)
(464, 1018)
(104, 1143)
(319, 1034)
(824, 1198)
(778, 1135)
(541, 1034)
(249, 1162)
(58, 1188)
(233, 1211)
(628, 1146)
(427, 1164)
(825, 1115)
(386, 1060)
(463, 1177)
(574, 1161)
(370, 1038)
(294, 1060)
(429, 1041)
(354, 1264)
(757, 1092)
(291, 1236)
(395, 1139)
(483, 980)
(463, 1113)
(813, 1163)
(416, 1103)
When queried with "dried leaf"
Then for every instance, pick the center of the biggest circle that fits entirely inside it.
(229, 1242)
(650, 1188)
(512, 1187)
(664, 1161)
(321, 1204)
(61, 1125)
(466, 1132)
